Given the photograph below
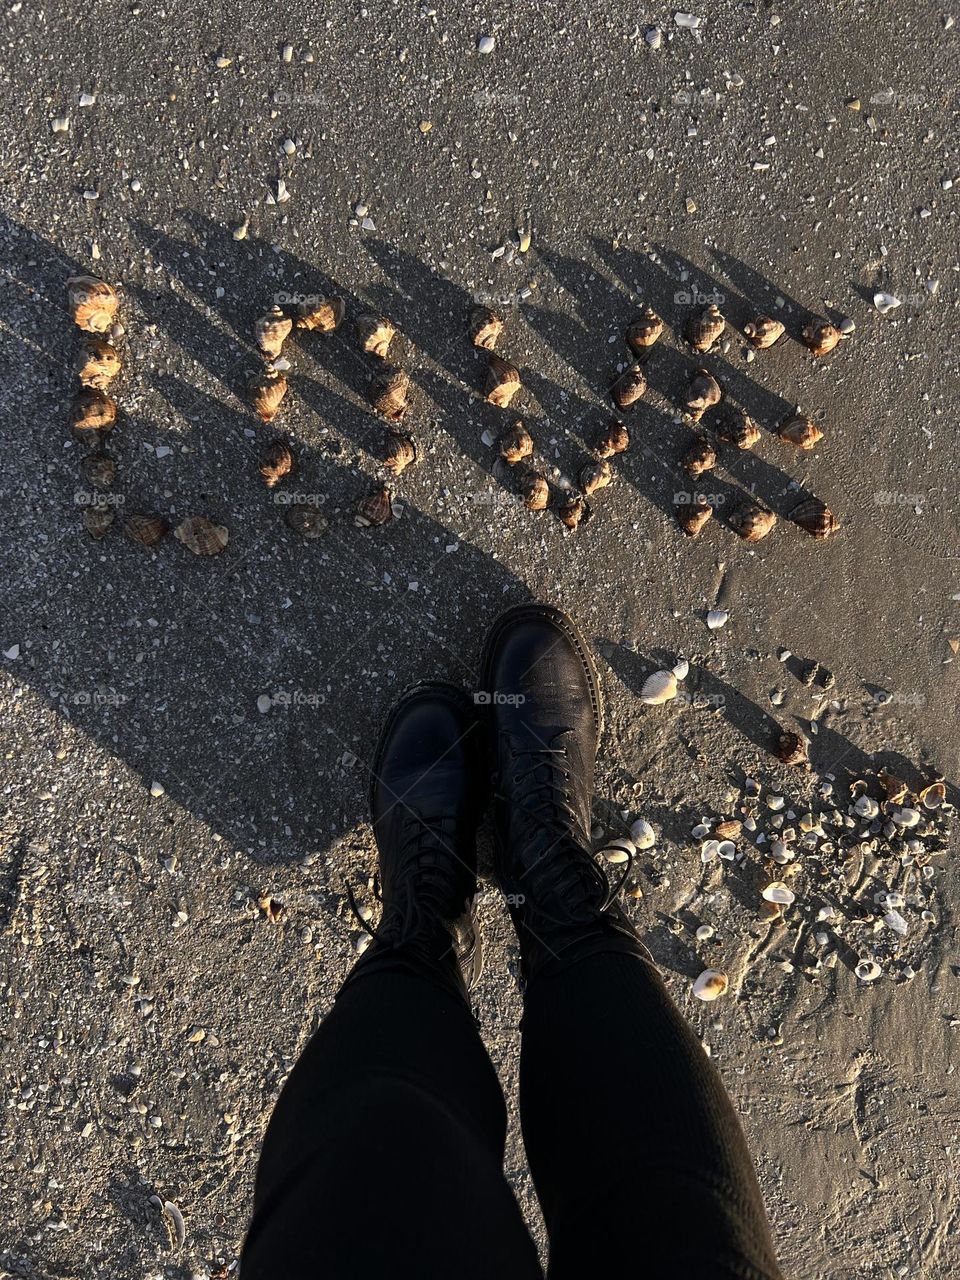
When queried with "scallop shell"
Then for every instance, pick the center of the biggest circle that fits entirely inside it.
(271, 331)
(792, 748)
(147, 529)
(820, 337)
(594, 476)
(628, 387)
(703, 391)
(516, 444)
(573, 510)
(659, 688)
(97, 520)
(92, 303)
(800, 432)
(752, 521)
(692, 516)
(201, 536)
(739, 429)
(614, 438)
(503, 382)
(700, 457)
(276, 461)
(778, 892)
(375, 508)
(375, 333)
(389, 392)
(816, 518)
(763, 331)
(266, 392)
(644, 331)
(307, 519)
(399, 452)
(485, 328)
(97, 364)
(535, 491)
(323, 315)
(99, 469)
(703, 330)
(92, 410)
(711, 985)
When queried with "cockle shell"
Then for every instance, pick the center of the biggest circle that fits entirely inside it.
(375, 508)
(763, 331)
(375, 333)
(92, 303)
(97, 364)
(516, 444)
(816, 518)
(704, 329)
(614, 438)
(271, 331)
(147, 529)
(266, 391)
(92, 410)
(752, 521)
(728, 829)
(711, 985)
(739, 429)
(800, 432)
(820, 337)
(97, 520)
(703, 392)
(792, 748)
(700, 457)
(276, 461)
(99, 469)
(323, 315)
(594, 476)
(503, 381)
(644, 331)
(201, 536)
(399, 452)
(618, 851)
(692, 516)
(658, 688)
(535, 492)
(642, 834)
(628, 387)
(778, 892)
(307, 519)
(485, 328)
(389, 392)
(573, 510)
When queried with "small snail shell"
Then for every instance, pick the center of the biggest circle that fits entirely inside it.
(99, 469)
(323, 316)
(703, 330)
(92, 410)
(516, 444)
(201, 536)
(97, 520)
(573, 511)
(306, 519)
(485, 328)
(399, 452)
(700, 457)
(594, 476)
(739, 429)
(692, 516)
(816, 518)
(702, 393)
(389, 392)
(628, 387)
(271, 332)
(375, 333)
(800, 432)
(266, 391)
(97, 364)
(276, 461)
(92, 303)
(820, 337)
(146, 528)
(752, 521)
(503, 382)
(375, 509)
(792, 748)
(644, 331)
(535, 492)
(763, 331)
(614, 438)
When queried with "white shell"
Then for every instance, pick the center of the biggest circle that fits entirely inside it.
(726, 849)
(717, 618)
(885, 302)
(682, 669)
(708, 850)
(779, 852)
(895, 921)
(907, 817)
(642, 834)
(705, 932)
(866, 807)
(868, 970)
(619, 851)
(700, 830)
(659, 688)
(778, 892)
(711, 985)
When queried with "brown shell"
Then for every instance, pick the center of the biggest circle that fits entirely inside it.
(516, 444)
(201, 536)
(99, 469)
(704, 329)
(739, 429)
(375, 333)
(323, 315)
(614, 438)
(821, 337)
(644, 331)
(271, 331)
(594, 476)
(535, 491)
(763, 331)
(97, 363)
(573, 510)
(399, 452)
(92, 303)
(147, 529)
(266, 392)
(92, 410)
(703, 392)
(485, 328)
(503, 381)
(389, 392)
(628, 387)
(816, 518)
(728, 829)
(692, 516)
(752, 521)
(700, 457)
(792, 748)
(800, 432)
(98, 519)
(307, 519)
(276, 461)
(375, 508)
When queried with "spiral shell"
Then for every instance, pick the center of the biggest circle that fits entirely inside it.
(145, 528)
(97, 520)
(271, 331)
(816, 518)
(99, 469)
(323, 315)
(752, 521)
(739, 429)
(307, 519)
(703, 392)
(700, 457)
(201, 536)
(535, 491)
(594, 476)
(614, 438)
(97, 364)
(375, 333)
(763, 331)
(820, 337)
(485, 328)
(658, 688)
(800, 432)
(516, 444)
(389, 392)
(692, 516)
(92, 303)
(276, 461)
(644, 331)
(628, 387)
(503, 382)
(703, 330)
(792, 748)
(266, 391)
(573, 510)
(399, 452)
(375, 508)
(92, 410)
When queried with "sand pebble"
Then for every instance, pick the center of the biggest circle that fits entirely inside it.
(486, 44)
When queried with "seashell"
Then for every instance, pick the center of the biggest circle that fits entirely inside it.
(516, 444)
(644, 331)
(700, 457)
(681, 669)
(276, 461)
(307, 519)
(739, 429)
(792, 748)
(703, 392)
(399, 452)
(703, 330)
(323, 315)
(618, 852)
(594, 476)
(659, 688)
(770, 911)
(271, 331)
(763, 331)
(820, 337)
(266, 392)
(895, 788)
(99, 469)
(375, 333)
(613, 439)
(628, 387)
(817, 519)
(705, 932)
(503, 382)
(907, 817)
(98, 519)
(717, 619)
(692, 516)
(934, 796)
(867, 970)
(535, 491)
(573, 510)
(201, 536)
(485, 328)
(375, 508)
(147, 529)
(752, 521)
(92, 410)
(97, 364)
(778, 892)
(711, 985)
(642, 834)
(708, 850)
(886, 302)
(728, 829)
(866, 807)
(92, 303)
(389, 392)
(800, 432)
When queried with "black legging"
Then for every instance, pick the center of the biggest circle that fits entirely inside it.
(384, 1154)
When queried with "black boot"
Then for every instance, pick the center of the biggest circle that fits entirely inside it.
(427, 792)
(544, 713)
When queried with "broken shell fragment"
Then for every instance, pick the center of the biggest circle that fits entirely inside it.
(867, 970)
(934, 796)
(516, 444)
(763, 331)
(573, 511)
(711, 985)
(92, 303)
(201, 536)
(322, 315)
(818, 520)
(800, 432)
(739, 429)
(503, 382)
(614, 438)
(97, 520)
(703, 330)
(266, 391)
(485, 328)
(692, 516)
(535, 492)
(659, 688)
(752, 521)
(778, 892)
(92, 411)
(99, 469)
(644, 331)
(97, 364)
(399, 452)
(628, 387)
(700, 457)
(389, 393)
(307, 519)
(594, 476)
(271, 331)
(375, 333)
(792, 748)
(375, 508)
(885, 302)
(703, 392)
(276, 461)
(820, 337)
(146, 528)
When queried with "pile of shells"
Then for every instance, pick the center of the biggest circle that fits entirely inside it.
(93, 305)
